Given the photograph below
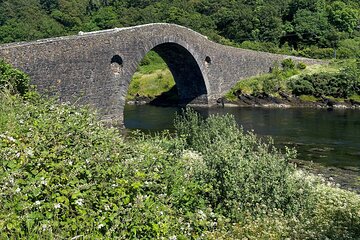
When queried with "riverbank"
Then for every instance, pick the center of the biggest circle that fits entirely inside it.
(347, 178)
(286, 101)
(323, 148)
(262, 100)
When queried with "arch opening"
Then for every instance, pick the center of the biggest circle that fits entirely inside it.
(207, 60)
(187, 74)
(187, 86)
(116, 64)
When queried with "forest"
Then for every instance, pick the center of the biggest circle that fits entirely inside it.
(310, 28)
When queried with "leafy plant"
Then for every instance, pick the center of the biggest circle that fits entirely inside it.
(301, 66)
(12, 79)
(288, 64)
(340, 84)
(241, 172)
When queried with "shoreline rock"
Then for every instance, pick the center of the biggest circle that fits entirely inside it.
(286, 101)
(343, 177)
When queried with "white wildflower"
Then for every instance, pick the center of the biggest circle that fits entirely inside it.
(79, 201)
(173, 238)
(29, 152)
(202, 214)
(11, 139)
(11, 180)
(57, 205)
(37, 203)
(44, 227)
(43, 181)
(17, 190)
(100, 226)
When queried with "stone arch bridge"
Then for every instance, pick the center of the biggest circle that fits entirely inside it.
(96, 68)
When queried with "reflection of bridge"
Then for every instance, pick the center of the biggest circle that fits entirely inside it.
(96, 67)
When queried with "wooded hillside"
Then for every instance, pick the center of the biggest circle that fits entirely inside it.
(301, 27)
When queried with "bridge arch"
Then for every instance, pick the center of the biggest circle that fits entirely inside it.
(187, 69)
(96, 68)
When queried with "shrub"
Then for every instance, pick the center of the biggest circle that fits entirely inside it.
(271, 85)
(301, 86)
(338, 84)
(13, 79)
(315, 52)
(260, 46)
(288, 64)
(301, 66)
(349, 48)
(242, 172)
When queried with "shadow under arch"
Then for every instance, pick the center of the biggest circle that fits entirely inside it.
(187, 74)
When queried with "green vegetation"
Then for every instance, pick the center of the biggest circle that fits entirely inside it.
(12, 79)
(312, 28)
(338, 81)
(309, 28)
(64, 175)
(151, 79)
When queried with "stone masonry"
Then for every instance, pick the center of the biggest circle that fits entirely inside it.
(96, 68)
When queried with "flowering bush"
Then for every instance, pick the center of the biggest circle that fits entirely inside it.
(64, 175)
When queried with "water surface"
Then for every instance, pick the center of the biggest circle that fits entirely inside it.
(328, 137)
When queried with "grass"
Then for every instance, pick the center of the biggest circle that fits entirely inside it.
(301, 81)
(152, 78)
(355, 98)
(151, 84)
(308, 98)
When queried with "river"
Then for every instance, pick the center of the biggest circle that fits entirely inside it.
(331, 138)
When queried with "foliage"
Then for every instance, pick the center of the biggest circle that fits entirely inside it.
(342, 84)
(288, 64)
(320, 224)
(289, 26)
(338, 80)
(270, 83)
(64, 175)
(236, 165)
(151, 79)
(13, 79)
(301, 66)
